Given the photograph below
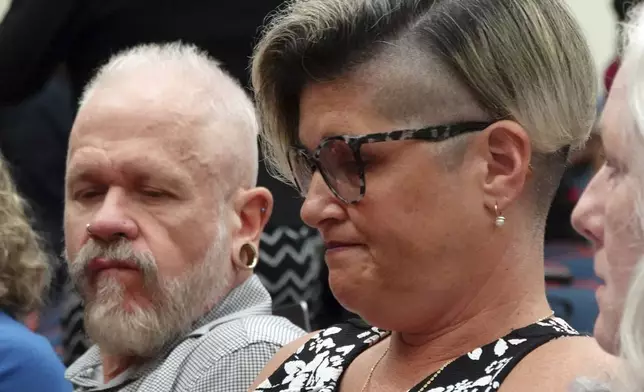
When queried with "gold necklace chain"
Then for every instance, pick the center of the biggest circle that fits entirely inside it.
(373, 368)
(424, 387)
(434, 376)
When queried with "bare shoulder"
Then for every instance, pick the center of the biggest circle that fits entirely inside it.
(558, 363)
(280, 357)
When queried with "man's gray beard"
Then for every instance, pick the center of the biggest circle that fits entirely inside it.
(175, 304)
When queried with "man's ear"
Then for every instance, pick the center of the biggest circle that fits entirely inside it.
(253, 208)
(508, 151)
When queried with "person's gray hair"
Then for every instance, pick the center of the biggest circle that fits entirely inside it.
(200, 88)
(24, 267)
(525, 60)
(631, 334)
(630, 377)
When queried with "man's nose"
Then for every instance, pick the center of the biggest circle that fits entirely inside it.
(112, 220)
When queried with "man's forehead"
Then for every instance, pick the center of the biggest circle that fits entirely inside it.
(94, 160)
(125, 138)
(115, 121)
(142, 159)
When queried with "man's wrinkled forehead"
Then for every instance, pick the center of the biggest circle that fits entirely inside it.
(117, 121)
(186, 139)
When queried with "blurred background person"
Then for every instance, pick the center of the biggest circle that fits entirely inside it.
(33, 138)
(27, 361)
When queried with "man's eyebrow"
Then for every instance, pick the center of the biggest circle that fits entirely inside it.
(174, 179)
(154, 166)
(84, 171)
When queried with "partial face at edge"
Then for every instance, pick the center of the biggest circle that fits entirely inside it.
(606, 216)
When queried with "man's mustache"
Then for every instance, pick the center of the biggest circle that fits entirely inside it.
(119, 250)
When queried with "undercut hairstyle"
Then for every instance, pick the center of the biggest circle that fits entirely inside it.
(191, 83)
(446, 60)
(24, 268)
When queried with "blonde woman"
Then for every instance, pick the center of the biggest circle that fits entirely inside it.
(428, 139)
(27, 361)
(610, 213)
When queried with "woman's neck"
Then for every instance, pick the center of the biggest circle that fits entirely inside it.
(465, 336)
(493, 309)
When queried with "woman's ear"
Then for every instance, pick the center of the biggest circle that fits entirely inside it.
(508, 153)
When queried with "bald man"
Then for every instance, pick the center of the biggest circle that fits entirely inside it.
(162, 224)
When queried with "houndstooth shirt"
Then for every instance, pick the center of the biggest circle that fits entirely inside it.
(227, 349)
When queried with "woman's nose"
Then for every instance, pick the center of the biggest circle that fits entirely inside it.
(320, 204)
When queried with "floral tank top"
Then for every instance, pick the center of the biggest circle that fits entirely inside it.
(319, 364)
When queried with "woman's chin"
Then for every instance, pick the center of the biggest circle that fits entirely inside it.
(348, 294)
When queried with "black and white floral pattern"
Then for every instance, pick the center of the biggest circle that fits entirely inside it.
(317, 366)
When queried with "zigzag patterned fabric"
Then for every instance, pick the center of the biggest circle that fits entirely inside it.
(290, 265)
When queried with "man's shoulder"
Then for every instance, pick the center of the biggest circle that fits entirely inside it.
(250, 331)
(249, 342)
(558, 363)
(247, 333)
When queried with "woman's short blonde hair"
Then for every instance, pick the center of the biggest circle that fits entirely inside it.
(525, 60)
(24, 269)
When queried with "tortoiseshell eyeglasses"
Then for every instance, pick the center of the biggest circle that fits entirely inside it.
(341, 166)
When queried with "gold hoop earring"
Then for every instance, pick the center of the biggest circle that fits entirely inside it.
(248, 256)
(500, 219)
